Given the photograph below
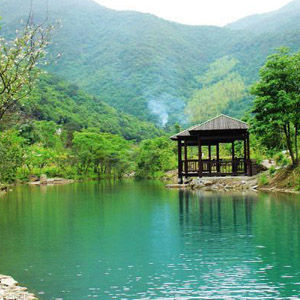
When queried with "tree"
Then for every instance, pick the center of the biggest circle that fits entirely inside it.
(101, 153)
(11, 153)
(277, 104)
(155, 157)
(18, 64)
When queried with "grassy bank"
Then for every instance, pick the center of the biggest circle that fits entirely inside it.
(286, 179)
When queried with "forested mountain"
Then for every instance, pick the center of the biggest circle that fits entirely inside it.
(156, 69)
(55, 100)
(285, 19)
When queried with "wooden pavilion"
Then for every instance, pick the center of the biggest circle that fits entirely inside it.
(211, 134)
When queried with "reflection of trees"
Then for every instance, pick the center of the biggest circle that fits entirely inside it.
(256, 233)
(277, 238)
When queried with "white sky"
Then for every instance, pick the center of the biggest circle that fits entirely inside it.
(197, 12)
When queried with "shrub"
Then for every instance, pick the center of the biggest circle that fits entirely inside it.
(272, 171)
(11, 154)
(263, 180)
(281, 159)
(297, 188)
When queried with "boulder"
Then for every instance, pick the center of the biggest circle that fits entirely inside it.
(43, 179)
(208, 183)
(33, 178)
(8, 281)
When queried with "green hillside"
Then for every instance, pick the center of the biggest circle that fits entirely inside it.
(150, 67)
(284, 19)
(68, 106)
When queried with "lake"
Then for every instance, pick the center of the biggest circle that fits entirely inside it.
(138, 240)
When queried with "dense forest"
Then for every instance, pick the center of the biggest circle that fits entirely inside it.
(152, 68)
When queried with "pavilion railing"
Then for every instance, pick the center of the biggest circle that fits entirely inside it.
(223, 166)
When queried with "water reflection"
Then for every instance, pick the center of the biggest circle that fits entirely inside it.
(253, 235)
(138, 240)
(216, 209)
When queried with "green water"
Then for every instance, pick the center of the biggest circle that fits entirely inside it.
(138, 240)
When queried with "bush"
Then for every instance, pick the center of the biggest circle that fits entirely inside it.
(263, 180)
(155, 157)
(297, 188)
(11, 154)
(272, 171)
(281, 159)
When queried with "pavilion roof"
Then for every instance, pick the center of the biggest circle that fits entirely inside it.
(221, 122)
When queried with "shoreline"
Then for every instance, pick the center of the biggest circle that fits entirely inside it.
(5, 188)
(11, 290)
(230, 184)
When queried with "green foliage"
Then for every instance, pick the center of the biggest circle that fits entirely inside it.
(131, 59)
(218, 70)
(281, 159)
(277, 103)
(272, 171)
(155, 157)
(297, 188)
(149, 68)
(219, 88)
(101, 153)
(47, 133)
(18, 64)
(263, 179)
(72, 109)
(11, 153)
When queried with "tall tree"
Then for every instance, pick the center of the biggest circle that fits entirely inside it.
(277, 104)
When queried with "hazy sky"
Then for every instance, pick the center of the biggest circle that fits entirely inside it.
(197, 12)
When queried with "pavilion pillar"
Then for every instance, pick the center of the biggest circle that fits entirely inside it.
(245, 155)
(248, 156)
(209, 157)
(180, 181)
(218, 158)
(200, 167)
(233, 157)
(186, 170)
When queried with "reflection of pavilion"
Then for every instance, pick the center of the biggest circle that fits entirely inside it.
(216, 210)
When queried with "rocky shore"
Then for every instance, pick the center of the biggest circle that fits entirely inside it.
(222, 184)
(43, 180)
(10, 290)
(231, 184)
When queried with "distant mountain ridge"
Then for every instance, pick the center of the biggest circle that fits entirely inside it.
(286, 18)
(153, 68)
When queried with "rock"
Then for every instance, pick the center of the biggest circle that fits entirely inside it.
(208, 183)
(61, 181)
(131, 175)
(3, 188)
(10, 290)
(33, 178)
(43, 179)
(34, 183)
(188, 180)
(8, 281)
(174, 186)
(267, 164)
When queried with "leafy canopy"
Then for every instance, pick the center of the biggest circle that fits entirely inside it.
(277, 103)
